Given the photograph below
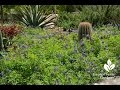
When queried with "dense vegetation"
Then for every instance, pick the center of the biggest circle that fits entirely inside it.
(35, 55)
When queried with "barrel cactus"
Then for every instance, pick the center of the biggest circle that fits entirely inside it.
(85, 30)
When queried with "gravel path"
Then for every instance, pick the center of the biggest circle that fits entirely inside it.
(109, 81)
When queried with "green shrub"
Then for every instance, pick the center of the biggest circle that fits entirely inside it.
(13, 78)
(58, 60)
(98, 15)
(68, 20)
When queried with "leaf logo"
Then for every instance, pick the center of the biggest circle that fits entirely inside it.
(109, 66)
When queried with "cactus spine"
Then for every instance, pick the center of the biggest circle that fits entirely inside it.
(85, 30)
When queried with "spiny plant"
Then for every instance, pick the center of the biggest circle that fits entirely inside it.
(32, 15)
(85, 30)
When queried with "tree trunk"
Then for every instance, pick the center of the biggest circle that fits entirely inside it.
(1, 9)
(1, 39)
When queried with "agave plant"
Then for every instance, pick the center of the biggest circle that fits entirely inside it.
(32, 15)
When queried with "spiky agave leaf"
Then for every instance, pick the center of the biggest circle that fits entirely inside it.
(31, 15)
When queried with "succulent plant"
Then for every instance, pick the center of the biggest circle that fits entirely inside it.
(85, 30)
(33, 16)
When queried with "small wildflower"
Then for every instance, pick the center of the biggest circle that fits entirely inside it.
(62, 62)
(52, 74)
(72, 60)
(88, 36)
(82, 43)
(92, 49)
(84, 54)
(56, 68)
(1, 74)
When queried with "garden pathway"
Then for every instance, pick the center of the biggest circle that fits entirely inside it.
(109, 81)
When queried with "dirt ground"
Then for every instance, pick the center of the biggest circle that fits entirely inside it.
(109, 81)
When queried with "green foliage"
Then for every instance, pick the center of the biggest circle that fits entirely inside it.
(98, 15)
(67, 8)
(69, 20)
(14, 78)
(42, 59)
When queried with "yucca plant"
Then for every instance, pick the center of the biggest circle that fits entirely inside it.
(85, 30)
(32, 15)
